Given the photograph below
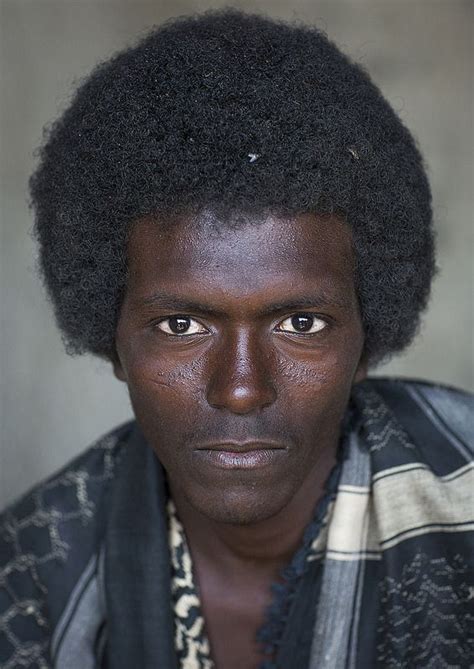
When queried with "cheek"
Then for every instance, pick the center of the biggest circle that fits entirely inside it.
(315, 388)
(162, 387)
(301, 375)
(181, 376)
(148, 367)
(165, 398)
(317, 369)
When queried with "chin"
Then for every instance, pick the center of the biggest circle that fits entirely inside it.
(240, 507)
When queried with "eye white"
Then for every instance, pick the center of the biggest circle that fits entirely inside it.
(193, 327)
(287, 325)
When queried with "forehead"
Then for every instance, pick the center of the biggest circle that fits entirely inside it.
(270, 253)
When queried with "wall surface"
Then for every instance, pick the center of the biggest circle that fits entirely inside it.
(419, 51)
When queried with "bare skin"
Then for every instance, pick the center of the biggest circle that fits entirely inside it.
(241, 335)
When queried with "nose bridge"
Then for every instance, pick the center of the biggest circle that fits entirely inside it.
(241, 379)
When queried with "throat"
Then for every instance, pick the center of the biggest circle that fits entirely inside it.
(233, 618)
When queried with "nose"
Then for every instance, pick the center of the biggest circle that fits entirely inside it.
(240, 380)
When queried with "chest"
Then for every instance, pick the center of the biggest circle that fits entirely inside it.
(232, 620)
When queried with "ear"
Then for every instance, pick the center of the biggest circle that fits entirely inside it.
(119, 371)
(361, 371)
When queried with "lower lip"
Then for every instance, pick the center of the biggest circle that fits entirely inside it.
(247, 460)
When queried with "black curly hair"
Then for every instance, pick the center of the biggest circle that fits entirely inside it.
(232, 112)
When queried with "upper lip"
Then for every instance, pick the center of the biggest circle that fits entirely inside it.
(241, 446)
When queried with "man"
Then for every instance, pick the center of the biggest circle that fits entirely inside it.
(232, 215)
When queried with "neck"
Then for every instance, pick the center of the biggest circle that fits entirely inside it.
(267, 545)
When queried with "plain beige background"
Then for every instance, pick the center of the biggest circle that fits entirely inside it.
(419, 51)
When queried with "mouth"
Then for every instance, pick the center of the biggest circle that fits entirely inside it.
(241, 455)
(241, 446)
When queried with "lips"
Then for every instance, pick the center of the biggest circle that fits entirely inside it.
(241, 455)
(241, 446)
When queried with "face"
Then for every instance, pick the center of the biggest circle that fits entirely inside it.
(239, 346)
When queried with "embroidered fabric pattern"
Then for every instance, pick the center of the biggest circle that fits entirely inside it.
(424, 619)
(32, 538)
(380, 425)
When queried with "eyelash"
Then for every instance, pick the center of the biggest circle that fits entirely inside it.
(298, 313)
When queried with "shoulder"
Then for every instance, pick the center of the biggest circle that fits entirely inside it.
(72, 492)
(47, 537)
(427, 422)
(448, 409)
(446, 398)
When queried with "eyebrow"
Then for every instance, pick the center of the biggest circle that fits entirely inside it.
(176, 303)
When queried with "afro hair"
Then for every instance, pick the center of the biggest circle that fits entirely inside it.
(234, 112)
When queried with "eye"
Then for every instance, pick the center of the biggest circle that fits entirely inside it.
(181, 325)
(302, 324)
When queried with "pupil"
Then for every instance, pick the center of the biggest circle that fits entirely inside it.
(179, 324)
(302, 323)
